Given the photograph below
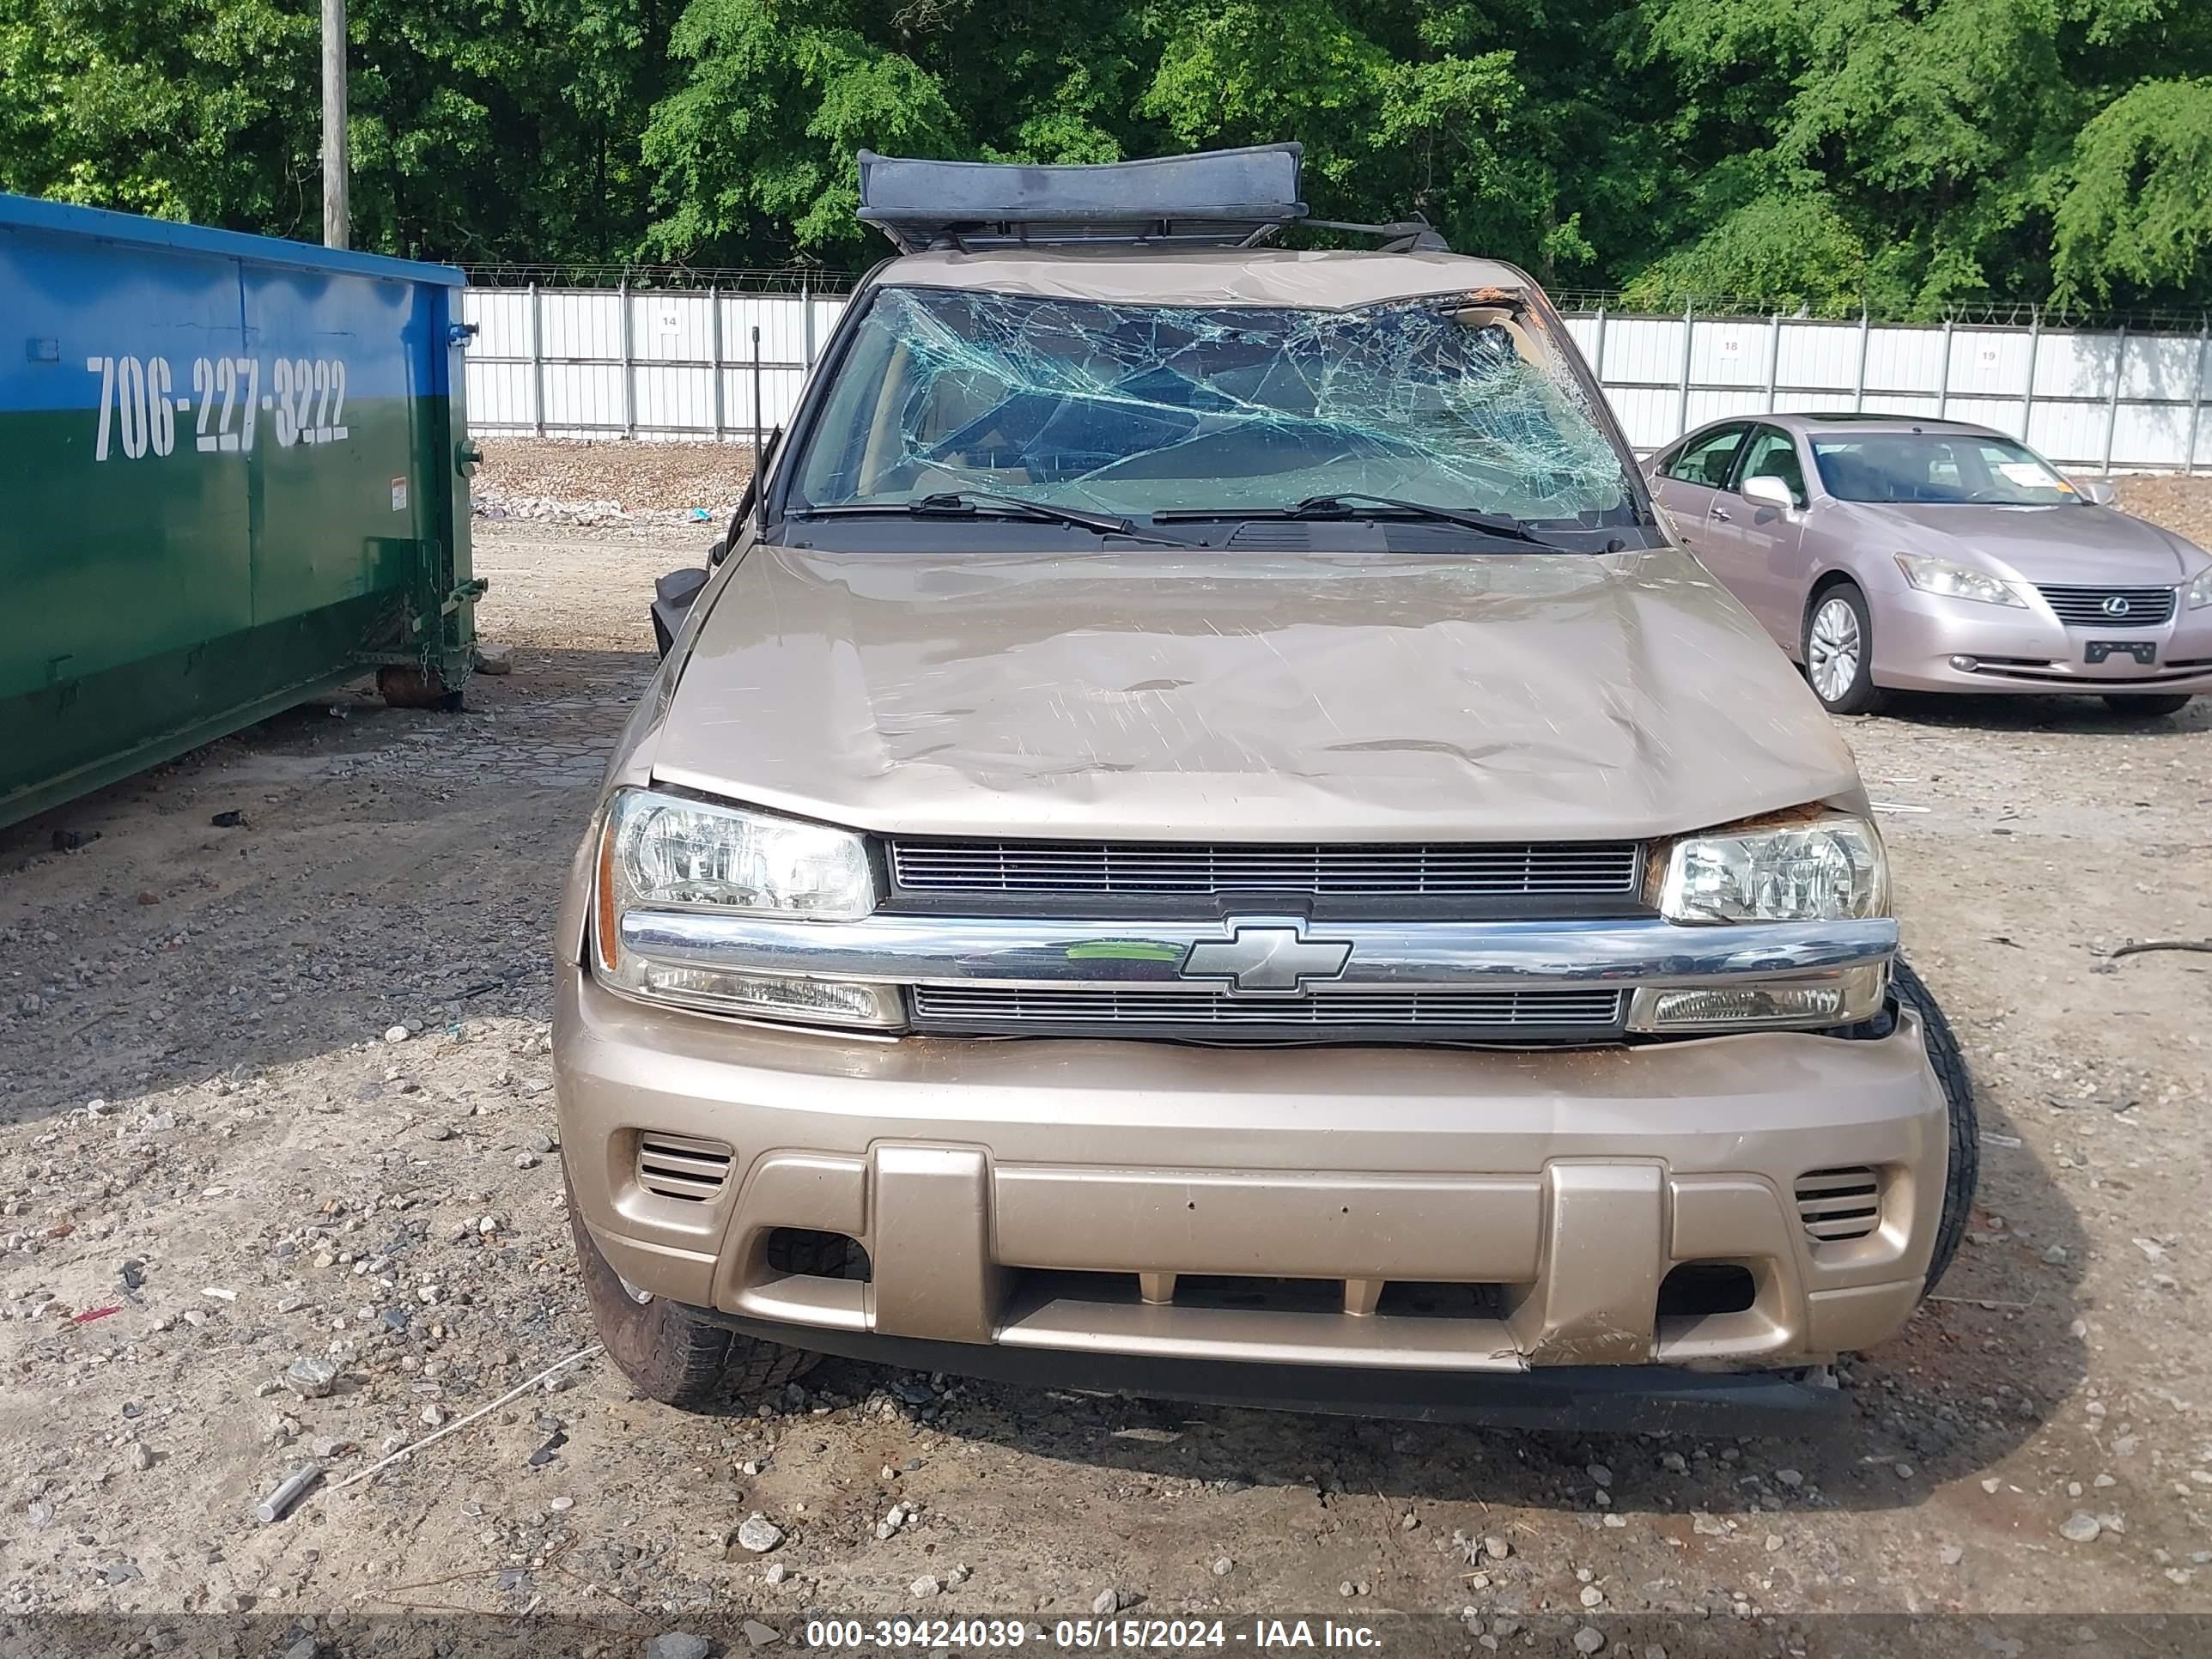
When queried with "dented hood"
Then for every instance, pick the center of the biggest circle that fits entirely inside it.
(1218, 695)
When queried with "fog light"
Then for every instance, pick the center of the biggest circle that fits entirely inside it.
(772, 996)
(1966, 665)
(1842, 999)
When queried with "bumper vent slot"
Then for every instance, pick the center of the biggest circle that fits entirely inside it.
(2111, 607)
(1838, 1205)
(1410, 870)
(677, 1166)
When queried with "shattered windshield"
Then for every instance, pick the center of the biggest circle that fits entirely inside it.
(1134, 409)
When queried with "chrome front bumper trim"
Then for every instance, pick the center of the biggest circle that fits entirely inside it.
(1138, 956)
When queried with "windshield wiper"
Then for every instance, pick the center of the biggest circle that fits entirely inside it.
(960, 504)
(1490, 524)
(968, 504)
(1338, 505)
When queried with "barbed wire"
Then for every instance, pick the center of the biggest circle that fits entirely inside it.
(786, 279)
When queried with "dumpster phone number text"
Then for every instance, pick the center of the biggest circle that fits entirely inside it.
(139, 405)
(1151, 1634)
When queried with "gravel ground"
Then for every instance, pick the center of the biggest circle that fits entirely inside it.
(582, 482)
(280, 1091)
(2183, 505)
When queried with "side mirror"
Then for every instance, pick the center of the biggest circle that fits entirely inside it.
(2098, 492)
(671, 598)
(1770, 491)
(718, 552)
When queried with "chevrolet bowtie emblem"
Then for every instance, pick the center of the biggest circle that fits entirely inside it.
(1266, 958)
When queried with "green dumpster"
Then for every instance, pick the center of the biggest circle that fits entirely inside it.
(234, 472)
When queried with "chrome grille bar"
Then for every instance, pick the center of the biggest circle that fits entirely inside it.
(2085, 607)
(1410, 869)
(1149, 957)
(966, 1007)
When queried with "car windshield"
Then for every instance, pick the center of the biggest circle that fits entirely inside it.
(1133, 409)
(1936, 467)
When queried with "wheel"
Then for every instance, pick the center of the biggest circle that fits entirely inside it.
(1963, 1164)
(2149, 707)
(1838, 651)
(671, 1353)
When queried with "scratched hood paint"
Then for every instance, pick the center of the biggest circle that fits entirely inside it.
(1174, 694)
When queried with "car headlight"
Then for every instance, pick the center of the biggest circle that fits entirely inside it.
(661, 852)
(1829, 868)
(2198, 593)
(1958, 581)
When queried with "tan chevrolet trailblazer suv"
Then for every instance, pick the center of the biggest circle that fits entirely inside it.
(1199, 838)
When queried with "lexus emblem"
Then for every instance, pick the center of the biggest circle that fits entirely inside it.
(1266, 958)
(2116, 605)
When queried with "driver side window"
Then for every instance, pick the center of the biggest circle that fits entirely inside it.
(1705, 461)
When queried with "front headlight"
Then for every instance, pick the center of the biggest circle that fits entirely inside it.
(668, 854)
(1958, 581)
(1825, 869)
(2198, 593)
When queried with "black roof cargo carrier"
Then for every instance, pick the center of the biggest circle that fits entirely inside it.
(1215, 198)
(1218, 198)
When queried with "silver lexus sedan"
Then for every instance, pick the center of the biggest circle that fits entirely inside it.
(1892, 551)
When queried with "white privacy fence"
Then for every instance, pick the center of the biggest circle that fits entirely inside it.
(2100, 400)
(683, 363)
(599, 363)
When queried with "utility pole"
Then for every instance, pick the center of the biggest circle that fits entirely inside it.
(337, 225)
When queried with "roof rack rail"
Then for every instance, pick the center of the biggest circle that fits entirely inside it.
(1216, 198)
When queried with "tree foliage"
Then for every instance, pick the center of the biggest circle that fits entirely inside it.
(1903, 154)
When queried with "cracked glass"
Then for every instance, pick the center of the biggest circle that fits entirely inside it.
(1135, 409)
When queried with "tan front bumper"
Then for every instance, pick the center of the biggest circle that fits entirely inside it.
(1047, 1194)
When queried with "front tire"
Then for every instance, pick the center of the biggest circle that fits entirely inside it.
(669, 1352)
(2150, 707)
(1838, 649)
(1962, 1167)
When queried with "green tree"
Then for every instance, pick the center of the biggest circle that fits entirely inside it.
(1904, 153)
(753, 152)
(480, 129)
(181, 109)
(1914, 152)
(507, 129)
(2137, 212)
(1395, 118)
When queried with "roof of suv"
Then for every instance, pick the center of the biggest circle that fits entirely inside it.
(1212, 276)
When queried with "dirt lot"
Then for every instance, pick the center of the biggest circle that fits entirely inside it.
(217, 1156)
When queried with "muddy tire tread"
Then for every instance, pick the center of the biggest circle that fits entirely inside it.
(671, 1353)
